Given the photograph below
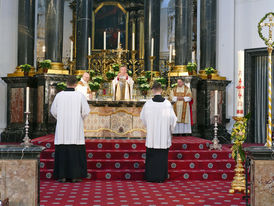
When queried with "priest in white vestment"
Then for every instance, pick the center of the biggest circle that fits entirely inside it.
(70, 108)
(160, 120)
(83, 86)
(122, 85)
(182, 97)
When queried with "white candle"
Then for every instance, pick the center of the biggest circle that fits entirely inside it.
(44, 49)
(216, 102)
(170, 53)
(118, 40)
(193, 56)
(133, 41)
(105, 40)
(89, 46)
(240, 89)
(71, 51)
(152, 46)
(173, 52)
(27, 99)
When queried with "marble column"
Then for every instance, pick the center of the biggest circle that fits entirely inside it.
(152, 30)
(54, 30)
(84, 27)
(26, 17)
(208, 34)
(183, 31)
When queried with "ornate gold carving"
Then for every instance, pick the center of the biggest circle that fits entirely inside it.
(179, 70)
(118, 133)
(115, 112)
(215, 76)
(19, 73)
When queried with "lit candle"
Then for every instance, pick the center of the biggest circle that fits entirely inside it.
(173, 52)
(44, 49)
(133, 41)
(105, 40)
(27, 99)
(152, 46)
(170, 53)
(216, 102)
(118, 40)
(89, 46)
(71, 51)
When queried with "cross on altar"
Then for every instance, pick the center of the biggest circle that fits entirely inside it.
(270, 25)
(120, 51)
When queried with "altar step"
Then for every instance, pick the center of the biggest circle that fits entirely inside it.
(189, 158)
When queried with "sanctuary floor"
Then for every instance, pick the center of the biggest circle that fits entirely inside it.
(127, 193)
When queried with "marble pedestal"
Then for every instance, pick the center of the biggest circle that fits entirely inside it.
(19, 174)
(16, 105)
(205, 109)
(114, 119)
(261, 175)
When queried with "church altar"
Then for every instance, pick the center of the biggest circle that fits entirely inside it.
(114, 119)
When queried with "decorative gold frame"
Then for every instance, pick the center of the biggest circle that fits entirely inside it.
(109, 3)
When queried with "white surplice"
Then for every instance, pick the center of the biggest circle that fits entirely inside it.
(128, 86)
(160, 120)
(70, 108)
(83, 87)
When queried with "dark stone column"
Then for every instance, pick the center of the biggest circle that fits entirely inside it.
(152, 30)
(26, 16)
(183, 31)
(208, 34)
(84, 27)
(54, 30)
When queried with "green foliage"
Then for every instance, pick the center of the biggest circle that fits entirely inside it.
(78, 77)
(142, 80)
(25, 67)
(116, 67)
(94, 86)
(110, 75)
(191, 66)
(144, 87)
(174, 85)
(209, 70)
(238, 136)
(148, 75)
(260, 27)
(129, 72)
(98, 79)
(61, 85)
(91, 73)
(162, 81)
(46, 64)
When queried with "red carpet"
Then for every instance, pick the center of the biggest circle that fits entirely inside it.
(117, 192)
(189, 159)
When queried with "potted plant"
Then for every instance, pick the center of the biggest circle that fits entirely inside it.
(98, 79)
(94, 86)
(91, 73)
(45, 65)
(25, 68)
(209, 71)
(191, 67)
(61, 86)
(144, 87)
(162, 81)
(110, 75)
(141, 80)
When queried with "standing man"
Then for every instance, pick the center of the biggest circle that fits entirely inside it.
(182, 97)
(159, 118)
(122, 85)
(83, 86)
(70, 108)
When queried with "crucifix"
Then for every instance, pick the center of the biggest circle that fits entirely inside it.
(119, 52)
(269, 44)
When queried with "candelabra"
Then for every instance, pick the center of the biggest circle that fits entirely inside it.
(133, 61)
(170, 66)
(71, 66)
(104, 62)
(26, 139)
(215, 142)
(151, 58)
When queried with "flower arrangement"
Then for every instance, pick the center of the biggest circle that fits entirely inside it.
(238, 136)
(141, 80)
(94, 86)
(46, 64)
(110, 75)
(61, 85)
(191, 67)
(209, 70)
(115, 67)
(148, 75)
(162, 81)
(98, 79)
(174, 85)
(25, 68)
(144, 87)
(91, 73)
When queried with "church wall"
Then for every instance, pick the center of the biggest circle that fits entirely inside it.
(8, 50)
(232, 37)
(67, 29)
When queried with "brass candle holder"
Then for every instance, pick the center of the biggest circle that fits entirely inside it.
(133, 61)
(71, 67)
(104, 63)
(170, 67)
(151, 58)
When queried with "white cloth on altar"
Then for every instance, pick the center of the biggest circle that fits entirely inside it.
(182, 128)
(69, 108)
(83, 87)
(128, 90)
(160, 120)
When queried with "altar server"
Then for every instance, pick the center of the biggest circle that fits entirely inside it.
(159, 118)
(70, 108)
(83, 86)
(182, 97)
(122, 85)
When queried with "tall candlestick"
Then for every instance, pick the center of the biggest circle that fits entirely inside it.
(71, 51)
(118, 46)
(89, 46)
(133, 41)
(152, 46)
(27, 99)
(170, 53)
(216, 102)
(240, 86)
(105, 40)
